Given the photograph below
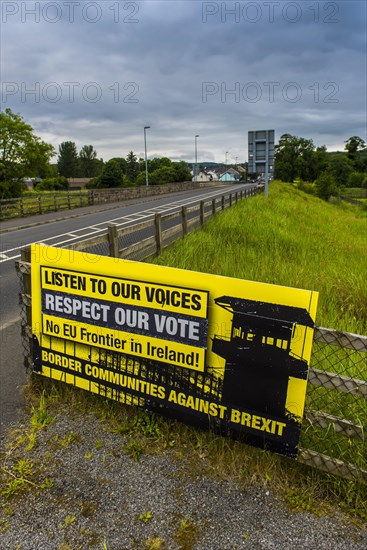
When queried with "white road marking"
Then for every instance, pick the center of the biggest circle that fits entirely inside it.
(119, 222)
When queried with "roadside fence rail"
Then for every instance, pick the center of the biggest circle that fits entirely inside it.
(148, 238)
(333, 435)
(66, 200)
(41, 204)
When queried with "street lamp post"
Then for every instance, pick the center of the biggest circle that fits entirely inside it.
(196, 156)
(146, 159)
(226, 159)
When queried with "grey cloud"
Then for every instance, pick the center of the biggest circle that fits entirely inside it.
(163, 61)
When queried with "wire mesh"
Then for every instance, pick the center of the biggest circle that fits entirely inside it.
(335, 421)
(93, 246)
(333, 434)
(24, 316)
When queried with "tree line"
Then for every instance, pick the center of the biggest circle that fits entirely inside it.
(24, 155)
(298, 160)
(118, 171)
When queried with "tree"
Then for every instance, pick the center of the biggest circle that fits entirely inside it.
(354, 144)
(294, 158)
(132, 167)
(320, 160)
(121, 162)
(158, 162)
(165, 174)
(356, 179)
(89, 165)
(68, 162)
(340, 167)
(141, 180)
(163, 170)
(111, 176)
(22, 153)
(182, 172)
(326, 186)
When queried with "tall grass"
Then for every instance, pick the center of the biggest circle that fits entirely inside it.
(290, 239)
(295, 239)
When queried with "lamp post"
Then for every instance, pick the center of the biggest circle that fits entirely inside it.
(146, 160)
(226, 159)
(196, 156)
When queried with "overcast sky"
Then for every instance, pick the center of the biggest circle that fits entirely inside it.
(98, 72)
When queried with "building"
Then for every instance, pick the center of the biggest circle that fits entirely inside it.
(261, 152)
(230, 175)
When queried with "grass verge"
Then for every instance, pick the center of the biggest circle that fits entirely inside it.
(290, 239)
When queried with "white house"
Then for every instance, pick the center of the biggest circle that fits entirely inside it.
(202, 176)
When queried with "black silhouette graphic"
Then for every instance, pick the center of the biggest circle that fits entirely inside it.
(258, 359)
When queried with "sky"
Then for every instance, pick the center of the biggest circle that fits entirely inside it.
(97, 72)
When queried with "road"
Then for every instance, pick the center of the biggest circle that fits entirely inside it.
(70, 227)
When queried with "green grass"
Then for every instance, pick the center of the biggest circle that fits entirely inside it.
(297, 240)
(33, 202)
(206, 454)
(290, 239)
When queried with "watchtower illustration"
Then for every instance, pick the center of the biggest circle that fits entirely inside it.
(259, 360)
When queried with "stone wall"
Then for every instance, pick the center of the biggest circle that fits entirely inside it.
(100, 196)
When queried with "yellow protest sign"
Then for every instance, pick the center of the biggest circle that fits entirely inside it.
(201, 347)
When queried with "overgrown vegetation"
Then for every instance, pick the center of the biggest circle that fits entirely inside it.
(291, 239)
(205, 453)
(321, 172)
(297, 240)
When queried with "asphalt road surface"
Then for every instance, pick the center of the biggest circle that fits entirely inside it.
(61, 229)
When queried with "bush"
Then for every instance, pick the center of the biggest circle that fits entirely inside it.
(11, 189)
(92, 184)
(110, 177)
(326, 186)
(356, 179)
(306, 187)
(60, 183)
